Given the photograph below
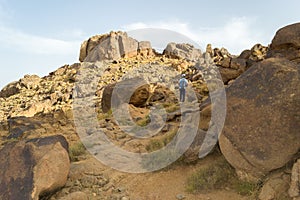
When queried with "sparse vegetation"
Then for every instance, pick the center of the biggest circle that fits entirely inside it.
(76, 150)
(219, 176)
(159, 143)
(245, 188)
(171, 106)
(212, 177)
(143, 121)
(102, 116)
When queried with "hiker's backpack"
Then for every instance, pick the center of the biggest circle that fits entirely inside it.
(182, 83)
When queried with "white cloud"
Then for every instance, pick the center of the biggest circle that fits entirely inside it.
(20, 41)
(236, 35)
(176, 25)
(28, 43)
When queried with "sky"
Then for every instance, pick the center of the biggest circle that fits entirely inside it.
(37, 37)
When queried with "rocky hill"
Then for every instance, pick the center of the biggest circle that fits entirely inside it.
(43, 121)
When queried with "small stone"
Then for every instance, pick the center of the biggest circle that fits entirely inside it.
(180, 196)
(121, 189)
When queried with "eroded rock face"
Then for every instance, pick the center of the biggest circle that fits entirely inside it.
(231, 67)
(261, 132)
(138, 98)
(33, 168)
(233, 70)
(286, 43)
(112, 46)
(184, 51)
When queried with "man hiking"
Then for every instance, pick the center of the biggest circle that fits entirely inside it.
(183, 83)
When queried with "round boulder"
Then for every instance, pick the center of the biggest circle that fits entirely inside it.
(286, 43)
(261, 131)
(34, 168)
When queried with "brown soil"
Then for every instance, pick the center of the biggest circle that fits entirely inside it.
(161, 185)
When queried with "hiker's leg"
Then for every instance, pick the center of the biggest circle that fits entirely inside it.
(183, 95)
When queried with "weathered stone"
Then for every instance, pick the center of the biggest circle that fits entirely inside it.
(40, 107)
(184, 51)
(258, 52)
(222, 53)
(228, 74)
(88, 45)
(238, 63)
(263, 108)
(138, 98)
(275, 187)
(144, 48)
(34, 168)
(286, 43)
(224, 62)
(30, 81)
(209, 50)
(112, 46)
(10, 89)
(245, 54)
(294, 190)
(180, 196)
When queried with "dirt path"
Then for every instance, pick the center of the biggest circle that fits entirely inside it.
(171, 184)
(167, 184)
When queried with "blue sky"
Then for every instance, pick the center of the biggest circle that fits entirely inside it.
(37, 37)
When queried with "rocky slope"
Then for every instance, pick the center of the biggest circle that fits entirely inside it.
(260, 138)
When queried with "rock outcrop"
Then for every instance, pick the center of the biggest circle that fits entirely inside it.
(183, 51)
(260, 134)
(34, 168)
(112, 46)
(261, 129)
(231, 67)
(286, 43)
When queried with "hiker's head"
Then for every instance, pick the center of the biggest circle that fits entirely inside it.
(182, 75)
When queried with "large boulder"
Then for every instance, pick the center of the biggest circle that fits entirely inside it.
(112, 46)
(261, 131)
(286, 43)
(34, 168)
(138, 98)
(10, 89)
(184, 51)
